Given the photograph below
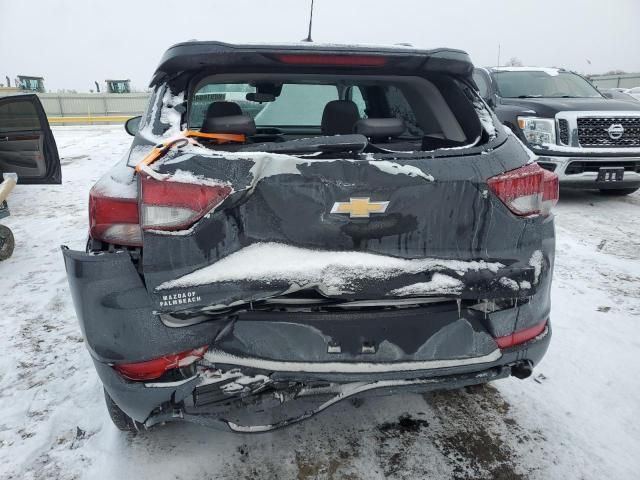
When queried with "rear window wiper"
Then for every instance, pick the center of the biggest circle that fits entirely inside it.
(329, 144)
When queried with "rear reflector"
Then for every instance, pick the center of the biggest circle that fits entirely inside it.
(524, 190)
(334, 60)
(521, 336)
(551, 192)
(114, 219)
(169, 205)
(152, 369)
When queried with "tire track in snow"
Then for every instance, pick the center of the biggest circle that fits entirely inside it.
(477, 433)
(460, 434)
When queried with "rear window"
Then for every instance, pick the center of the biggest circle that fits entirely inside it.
(399, 113)
(296, 104)
(301, 104)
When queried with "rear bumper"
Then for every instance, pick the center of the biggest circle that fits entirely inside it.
(235, 398)
(311, 359)
(582, 172)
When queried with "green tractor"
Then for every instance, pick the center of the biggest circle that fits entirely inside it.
(30, 84)
(118, 86)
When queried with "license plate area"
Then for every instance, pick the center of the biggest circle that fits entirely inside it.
(610, 174)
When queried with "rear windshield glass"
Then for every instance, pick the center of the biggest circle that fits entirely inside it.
(398, 113)
(526, 84)
(296, 104)
(303, 104)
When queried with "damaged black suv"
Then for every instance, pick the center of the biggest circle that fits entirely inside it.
(299, 224)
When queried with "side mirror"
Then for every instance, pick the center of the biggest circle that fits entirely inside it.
(132, 126)
(607, 94)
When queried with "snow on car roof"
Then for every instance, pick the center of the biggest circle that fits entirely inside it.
(311, 46)
(548, 70)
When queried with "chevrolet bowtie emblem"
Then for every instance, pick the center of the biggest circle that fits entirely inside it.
(359, 207)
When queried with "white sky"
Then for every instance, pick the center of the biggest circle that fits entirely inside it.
(74, 42)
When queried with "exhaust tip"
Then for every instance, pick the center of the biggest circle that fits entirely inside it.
(522, 370)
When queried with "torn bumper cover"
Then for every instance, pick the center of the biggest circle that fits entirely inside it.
(249, 400)
(267, 369)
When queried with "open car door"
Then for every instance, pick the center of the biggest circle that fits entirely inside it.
(27, 146)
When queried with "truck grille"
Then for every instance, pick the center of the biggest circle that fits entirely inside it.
(594, 132)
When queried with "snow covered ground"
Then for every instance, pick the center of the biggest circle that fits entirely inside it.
(577, 417)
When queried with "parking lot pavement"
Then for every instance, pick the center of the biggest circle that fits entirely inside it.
(578, 416)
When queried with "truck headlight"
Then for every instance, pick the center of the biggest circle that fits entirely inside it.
(538, 131)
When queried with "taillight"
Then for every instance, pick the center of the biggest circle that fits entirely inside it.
(169, 205)
(155, 368)
(114, 219)
(521, 336)
(525, 190)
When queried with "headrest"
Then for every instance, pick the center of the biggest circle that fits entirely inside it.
(338, 117)
(223, 109)
(230, 124)
(380, 127)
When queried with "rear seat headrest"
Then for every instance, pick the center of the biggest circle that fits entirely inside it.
(380, 127)
(223, 109)
(240, 124)
(338, 117)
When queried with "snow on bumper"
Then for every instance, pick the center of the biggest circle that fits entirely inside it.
(335, 271)
(265, 270)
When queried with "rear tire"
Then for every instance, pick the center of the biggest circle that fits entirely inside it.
(120, 419)
(618, 192)
(7, 242)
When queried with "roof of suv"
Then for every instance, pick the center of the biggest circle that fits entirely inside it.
(401, 59)
(549, 70)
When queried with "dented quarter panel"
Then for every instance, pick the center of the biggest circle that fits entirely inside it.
(115, 311)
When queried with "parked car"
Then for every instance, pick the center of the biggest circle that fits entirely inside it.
(373, 230)
(618, 94)
(28, 154)
(590, 141)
